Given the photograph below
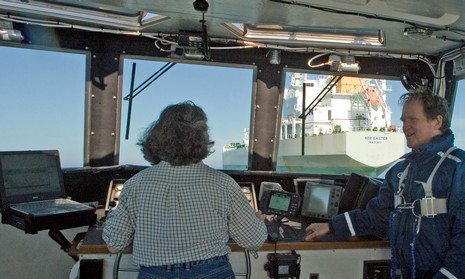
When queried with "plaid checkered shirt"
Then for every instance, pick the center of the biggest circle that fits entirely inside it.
(176, 214)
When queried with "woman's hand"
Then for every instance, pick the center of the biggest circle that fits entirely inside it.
(260, 215)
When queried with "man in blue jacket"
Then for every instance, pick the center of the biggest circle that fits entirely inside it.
(421, 204)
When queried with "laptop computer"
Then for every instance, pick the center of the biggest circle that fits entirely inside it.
(33, 195)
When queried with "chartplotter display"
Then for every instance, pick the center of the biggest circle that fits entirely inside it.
(280, 203)
(321, 200)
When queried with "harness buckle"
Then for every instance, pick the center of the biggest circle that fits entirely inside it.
(427, 205)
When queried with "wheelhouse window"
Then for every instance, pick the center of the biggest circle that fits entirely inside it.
(43, 104)
(336, 125)
(458, 114)
(224, 93)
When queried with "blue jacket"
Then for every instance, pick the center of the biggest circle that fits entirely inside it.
(440, 242)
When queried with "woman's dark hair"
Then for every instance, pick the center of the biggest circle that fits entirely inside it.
(179, 137)
(433, 105)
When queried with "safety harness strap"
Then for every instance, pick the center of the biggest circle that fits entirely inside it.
(429, 205)
(398, 197)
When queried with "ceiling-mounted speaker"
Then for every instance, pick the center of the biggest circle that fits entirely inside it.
(408, 81)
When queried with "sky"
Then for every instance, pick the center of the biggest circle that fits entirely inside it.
(43, 99)
(43, 95)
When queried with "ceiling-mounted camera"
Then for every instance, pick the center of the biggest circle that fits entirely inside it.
(201, 5)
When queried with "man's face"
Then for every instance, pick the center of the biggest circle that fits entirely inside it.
(417, 128)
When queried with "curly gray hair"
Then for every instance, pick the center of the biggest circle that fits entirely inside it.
(180, 136)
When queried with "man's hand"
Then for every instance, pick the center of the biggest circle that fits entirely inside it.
(316, 231)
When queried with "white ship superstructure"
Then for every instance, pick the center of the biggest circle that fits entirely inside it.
(351, 104)
(347, 127)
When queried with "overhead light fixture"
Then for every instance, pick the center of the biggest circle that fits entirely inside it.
(418, 33)
(79, 14)
(370, 37)
(7, 33)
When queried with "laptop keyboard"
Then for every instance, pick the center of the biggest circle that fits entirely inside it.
(48, 206)
(37, 205)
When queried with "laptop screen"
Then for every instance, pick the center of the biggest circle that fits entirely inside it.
(27, 176)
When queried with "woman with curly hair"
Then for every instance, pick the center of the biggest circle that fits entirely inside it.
(179, 214)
